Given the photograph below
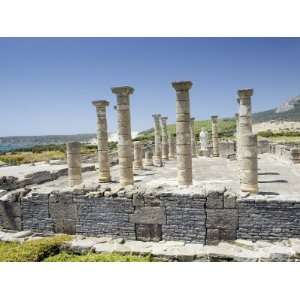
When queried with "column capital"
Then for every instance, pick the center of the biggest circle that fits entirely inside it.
(156, 116)
(182, 85)
(214, 118)
(100, 103)
(122, 90)
(245, 93)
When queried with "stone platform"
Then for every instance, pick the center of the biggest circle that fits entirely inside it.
(155, 208)
(277, 178)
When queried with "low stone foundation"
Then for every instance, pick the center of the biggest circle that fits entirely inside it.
(206, 218)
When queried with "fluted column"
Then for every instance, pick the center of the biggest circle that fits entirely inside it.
(172, 147)
(248, 163)
(102, 139)
(215, 136)
(74, 163)
(157, 158)
(183, 133)
(138, 155)
(193, 140)
(124, 132)
(164, 138)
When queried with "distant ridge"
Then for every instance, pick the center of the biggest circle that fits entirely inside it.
(289, 110)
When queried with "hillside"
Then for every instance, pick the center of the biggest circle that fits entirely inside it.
(289, 110)
(226, 128)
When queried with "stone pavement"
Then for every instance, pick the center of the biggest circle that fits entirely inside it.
(276, 178)
(237, 251)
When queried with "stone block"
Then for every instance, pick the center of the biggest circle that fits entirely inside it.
(148, 215)
(212, 237)
(148, 232)
(222, 218)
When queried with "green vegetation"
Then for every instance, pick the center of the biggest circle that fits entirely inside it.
(269, 133)
(30, 157)
(49, 250)
(30, 251)
(45, 153)
(227, 127)
(94, 257)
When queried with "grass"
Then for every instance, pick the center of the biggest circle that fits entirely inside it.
(30, 157)
(94, 257)
(45, 153)
(49, 250)
(32, 251)
(226, 127)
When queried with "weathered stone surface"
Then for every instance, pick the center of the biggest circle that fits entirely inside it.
(148, 215)
(222, 218)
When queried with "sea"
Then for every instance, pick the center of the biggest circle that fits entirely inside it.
(13, 143)
(17, 142)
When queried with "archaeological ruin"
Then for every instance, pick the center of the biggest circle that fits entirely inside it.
(181, 188)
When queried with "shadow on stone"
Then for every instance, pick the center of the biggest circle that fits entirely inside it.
(269, 173)
(268, 193)
(273, 181)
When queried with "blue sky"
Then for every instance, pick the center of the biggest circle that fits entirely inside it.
(47, 84)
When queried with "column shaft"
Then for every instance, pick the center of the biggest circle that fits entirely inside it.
(138, 156)
(157, 158)
(237, 135)
(148, 158)
(193, 140)
(102, 137)
(124, 132)
(74, 163)
(215, 136)
(172, 147)
(164, 138)
(183, 133)
(248, 163)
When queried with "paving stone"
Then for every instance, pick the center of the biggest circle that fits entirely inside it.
(82, 245)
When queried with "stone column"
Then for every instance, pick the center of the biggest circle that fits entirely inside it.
(245, 119)
(248, 163)
(183, 133)
(215, 136)
(148, 158)
(172, 147)
(157, 158)
(74, 163)
(102, 137)
(124, 132)
(164, 138)
(138, 156)
(237, 135)
(193, 140)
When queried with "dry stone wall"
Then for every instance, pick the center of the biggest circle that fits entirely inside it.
(207, 217)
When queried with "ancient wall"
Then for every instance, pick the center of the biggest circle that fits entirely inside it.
(196, 218)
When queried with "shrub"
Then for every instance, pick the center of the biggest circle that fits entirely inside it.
(94, 257)
(31, 251)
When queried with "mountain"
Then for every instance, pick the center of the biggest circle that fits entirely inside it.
(289, 110)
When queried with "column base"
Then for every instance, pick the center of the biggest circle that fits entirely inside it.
(104, 179)
(148, 163)
(137, 165)
(157, 161)
(252, 189)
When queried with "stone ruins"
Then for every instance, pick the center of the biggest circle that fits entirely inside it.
(177, 189)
